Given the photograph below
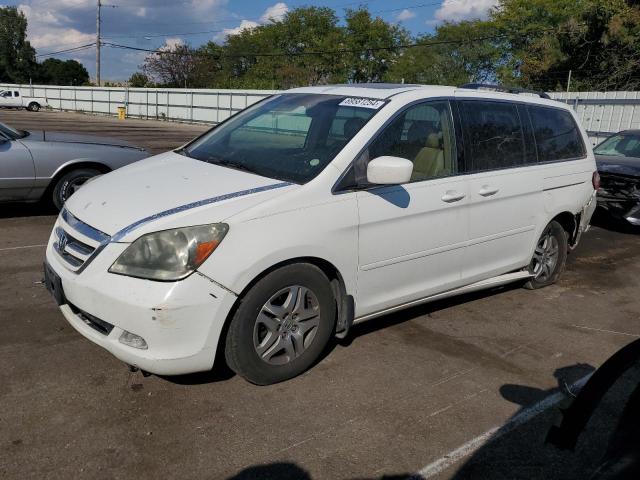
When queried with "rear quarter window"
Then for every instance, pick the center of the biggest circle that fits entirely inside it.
(556, 134)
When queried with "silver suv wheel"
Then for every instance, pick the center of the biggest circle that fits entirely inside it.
(286, 325)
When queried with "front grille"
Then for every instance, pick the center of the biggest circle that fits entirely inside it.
(94, 322)
(77, 243)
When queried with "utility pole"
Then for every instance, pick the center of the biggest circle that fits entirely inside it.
(98, 43)
(569, 81)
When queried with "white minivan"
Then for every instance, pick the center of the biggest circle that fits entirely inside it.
(313, 209)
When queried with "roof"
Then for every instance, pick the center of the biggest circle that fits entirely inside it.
(383, 91)
(369, 90)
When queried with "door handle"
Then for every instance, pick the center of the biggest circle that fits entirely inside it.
(452, 196)
(487, 191)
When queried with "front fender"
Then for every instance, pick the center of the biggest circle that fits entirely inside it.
(327, 231)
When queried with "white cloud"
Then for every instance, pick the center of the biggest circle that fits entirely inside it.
(244, 25)
(61, 36)
(171, 43)
(405, 15)
(456, 10)
(274, 13)
(141, 12)
(46, 29)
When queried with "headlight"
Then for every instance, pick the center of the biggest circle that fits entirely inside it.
(171, 254)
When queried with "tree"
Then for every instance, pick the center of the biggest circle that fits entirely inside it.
(456, 54)
(296, 50)
(17, 56)
(373, 46)
(59, 72)
(139, 80)
(598, 40)
(172, 66)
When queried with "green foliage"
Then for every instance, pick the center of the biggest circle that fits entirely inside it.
(368, 41)
(139, 80)
(58, 72)
(530, 43)
(17, 56)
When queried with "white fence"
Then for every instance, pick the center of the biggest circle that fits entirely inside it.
(206, 106)
(604, 113)
(601, 113)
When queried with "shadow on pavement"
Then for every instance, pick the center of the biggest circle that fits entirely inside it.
(371, 326)
(524, 453)
(604, 220)
(291, 471)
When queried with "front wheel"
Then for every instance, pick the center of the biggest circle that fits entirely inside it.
(70, 183)
(282, 325)
(549, 257)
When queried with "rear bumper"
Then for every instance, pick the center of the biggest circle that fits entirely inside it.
(181, 321)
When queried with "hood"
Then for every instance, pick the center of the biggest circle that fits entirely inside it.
(618, 165)
(167, 191)
(61, 137)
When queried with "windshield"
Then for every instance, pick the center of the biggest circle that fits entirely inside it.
(626, 145)
(291, 137)
(11, 132)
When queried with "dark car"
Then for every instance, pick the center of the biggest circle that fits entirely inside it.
(618, 160)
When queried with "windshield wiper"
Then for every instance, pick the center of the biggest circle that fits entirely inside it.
(229, 164)
(183, 151)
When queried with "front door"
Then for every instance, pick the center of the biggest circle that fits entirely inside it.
(412, 237)
(17, 171)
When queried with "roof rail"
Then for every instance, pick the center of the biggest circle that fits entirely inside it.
(501, 88)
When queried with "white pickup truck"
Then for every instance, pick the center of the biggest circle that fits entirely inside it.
(13, 99)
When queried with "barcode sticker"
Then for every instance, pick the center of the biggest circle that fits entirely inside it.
(362, 103)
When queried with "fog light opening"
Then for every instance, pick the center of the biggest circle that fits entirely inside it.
(133, 340)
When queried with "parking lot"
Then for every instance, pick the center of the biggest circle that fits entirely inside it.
(422, 390)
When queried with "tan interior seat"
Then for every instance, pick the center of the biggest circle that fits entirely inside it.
(429, 161)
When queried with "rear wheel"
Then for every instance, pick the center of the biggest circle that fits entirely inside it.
(549, 257)
(282, 325)
(33, 107)
(70, 183)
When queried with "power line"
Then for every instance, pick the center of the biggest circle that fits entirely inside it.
(317, 52)
(68, 50)
(336, 51)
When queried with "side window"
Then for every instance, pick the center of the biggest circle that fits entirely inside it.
(423, 134)
(16, 94)
(493, 134)
(273, 130)
(556, 133)
(5, 94)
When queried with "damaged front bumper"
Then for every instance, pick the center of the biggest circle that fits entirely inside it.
(179, 323)
(619, 195)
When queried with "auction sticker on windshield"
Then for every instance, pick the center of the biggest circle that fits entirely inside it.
(362, 103)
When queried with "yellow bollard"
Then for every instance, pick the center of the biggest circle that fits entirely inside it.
(122, 113)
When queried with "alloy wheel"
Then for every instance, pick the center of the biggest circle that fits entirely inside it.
(286, 325)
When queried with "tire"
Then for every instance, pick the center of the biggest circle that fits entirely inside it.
(269, 339)
(69, 183)
(34, 107)
(549, 258)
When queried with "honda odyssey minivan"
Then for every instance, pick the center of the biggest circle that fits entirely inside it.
(314, 209)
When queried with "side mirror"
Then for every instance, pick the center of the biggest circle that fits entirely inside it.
(389, 171)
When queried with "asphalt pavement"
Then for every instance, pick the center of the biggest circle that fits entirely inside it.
(440, 389)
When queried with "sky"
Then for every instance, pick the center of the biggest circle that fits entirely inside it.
(56, 25)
